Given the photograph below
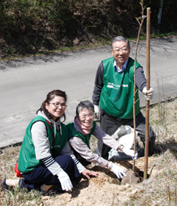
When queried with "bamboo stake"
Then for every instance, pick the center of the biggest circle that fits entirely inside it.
(147, 86)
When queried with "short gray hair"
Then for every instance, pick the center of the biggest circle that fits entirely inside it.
(84, 105)
(119, 38)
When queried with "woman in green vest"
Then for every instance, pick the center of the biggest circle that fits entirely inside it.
(45, 157)
(80, 132)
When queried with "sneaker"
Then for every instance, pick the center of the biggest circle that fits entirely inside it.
(5, 187)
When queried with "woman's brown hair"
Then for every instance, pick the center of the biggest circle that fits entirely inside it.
(49, 98)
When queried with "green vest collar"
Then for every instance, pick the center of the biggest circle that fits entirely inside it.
(75, 131)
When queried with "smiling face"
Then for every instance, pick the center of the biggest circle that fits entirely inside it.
(120, 52)
(56, 107)
(86, 117)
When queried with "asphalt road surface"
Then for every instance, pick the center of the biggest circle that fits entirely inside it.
(24, 83)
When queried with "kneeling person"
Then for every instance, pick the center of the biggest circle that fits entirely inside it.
(80, 132)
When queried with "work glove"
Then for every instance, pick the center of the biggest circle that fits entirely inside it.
(117, 170)
(97, 112)
(64, 180)
(148, 93)
(130, 152)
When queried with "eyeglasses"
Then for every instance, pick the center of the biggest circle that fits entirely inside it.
(117, 50)
(86, 116)
(57, 104)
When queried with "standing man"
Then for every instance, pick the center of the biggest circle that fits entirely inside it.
(113, 91)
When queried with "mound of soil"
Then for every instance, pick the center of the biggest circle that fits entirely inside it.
(103, 190)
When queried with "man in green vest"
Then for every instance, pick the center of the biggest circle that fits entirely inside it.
(113, 94)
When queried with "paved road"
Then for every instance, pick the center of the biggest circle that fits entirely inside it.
(24, 83)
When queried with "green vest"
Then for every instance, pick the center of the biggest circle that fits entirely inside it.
(74, 133)
(117, 93)
(27, 159)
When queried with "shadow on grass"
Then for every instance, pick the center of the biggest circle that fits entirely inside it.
(170, 144)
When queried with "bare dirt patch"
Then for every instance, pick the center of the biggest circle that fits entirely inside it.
(104, 190)
(159, 189)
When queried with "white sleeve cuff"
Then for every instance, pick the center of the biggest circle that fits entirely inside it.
(79, 166)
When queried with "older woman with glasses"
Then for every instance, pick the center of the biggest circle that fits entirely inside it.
(80, 132)
(45, 157)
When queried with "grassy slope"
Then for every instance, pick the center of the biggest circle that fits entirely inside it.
(159, 189)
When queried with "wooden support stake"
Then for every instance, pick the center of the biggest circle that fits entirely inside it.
(147, 86)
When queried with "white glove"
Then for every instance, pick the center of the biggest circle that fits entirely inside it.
(148, 93)
(130, 152)
(117, 170)
(64, 180)
(97, 112)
